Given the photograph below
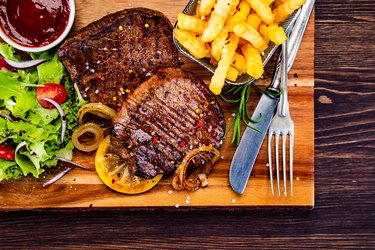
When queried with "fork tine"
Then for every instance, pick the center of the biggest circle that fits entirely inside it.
(277, 134)
(270, 159)
(284, 162)
(291, 158)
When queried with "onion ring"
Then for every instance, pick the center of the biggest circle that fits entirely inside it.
(97, 109)
(92, 144)
(197, 178)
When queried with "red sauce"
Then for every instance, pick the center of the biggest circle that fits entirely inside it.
(34, 23)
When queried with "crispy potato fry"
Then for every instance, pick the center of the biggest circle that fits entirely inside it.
(192, 43)
(217, 20)
(233, 33)
(287, 8)
(254, 20)
(254, 63)
(205, 7)
(250, 34)
(243, 11)
(232, 74)
(190, 23)
(242, 42)
(274, 32)
(218, 79)
(268, 2)
(239, 62)
(217, 45)
(263, 10)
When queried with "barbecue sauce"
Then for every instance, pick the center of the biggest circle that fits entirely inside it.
(34, 23)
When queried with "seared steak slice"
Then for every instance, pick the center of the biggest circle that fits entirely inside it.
(112, 56)
(165, 117)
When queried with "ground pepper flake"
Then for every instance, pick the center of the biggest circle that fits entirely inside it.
(114, 98)
(199, 124)
(181, 143)
(147, 25)
(155, 139)
(105, 96)
(120, 27)
(160, 70)
(127, 90)
(121, 89)
(197, 111)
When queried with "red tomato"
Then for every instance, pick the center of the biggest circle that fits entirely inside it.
(4, 65)
(53, 91)
(6, 152)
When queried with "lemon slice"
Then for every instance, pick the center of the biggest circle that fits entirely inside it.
(115, 173)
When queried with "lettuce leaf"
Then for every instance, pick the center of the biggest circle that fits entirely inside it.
(39, 128)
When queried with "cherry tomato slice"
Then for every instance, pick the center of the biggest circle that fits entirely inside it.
(6, 152)
(4, 65)
(56, 92)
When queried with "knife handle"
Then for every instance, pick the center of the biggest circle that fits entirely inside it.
(273, 90)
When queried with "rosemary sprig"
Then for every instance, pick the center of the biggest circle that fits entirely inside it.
(242, 113)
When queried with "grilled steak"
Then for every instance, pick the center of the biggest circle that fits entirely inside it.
(165, 117)
(112, 56)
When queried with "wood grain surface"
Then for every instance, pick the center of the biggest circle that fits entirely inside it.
(343, 216)
(83, 189)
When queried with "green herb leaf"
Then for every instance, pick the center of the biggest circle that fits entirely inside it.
(242, 113)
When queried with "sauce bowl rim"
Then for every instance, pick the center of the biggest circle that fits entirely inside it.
(57, 41)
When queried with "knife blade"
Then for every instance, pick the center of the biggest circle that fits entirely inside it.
(247, 150)
(252, 139)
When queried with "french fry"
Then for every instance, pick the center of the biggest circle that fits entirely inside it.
(218, 79)
(254, 63)
(190, 23)
(263, 10)
(217, 45)
(242, 42)
(268, 2)
(254, 20)
(287, 8)
(274, 32)
(240, 16)
(250, 34)
(192, 43)
(205, 7)
(232, 74)
(239, 62)
(217, 20)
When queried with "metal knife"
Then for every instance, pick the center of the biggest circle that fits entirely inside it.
(252, 139)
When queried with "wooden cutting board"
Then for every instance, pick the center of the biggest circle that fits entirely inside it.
(83, 189)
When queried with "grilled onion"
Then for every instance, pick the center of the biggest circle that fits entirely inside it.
(97, 109)
(182, 179)
(91, 144)
(98, 131)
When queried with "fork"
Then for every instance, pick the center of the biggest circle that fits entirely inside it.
(281, 126)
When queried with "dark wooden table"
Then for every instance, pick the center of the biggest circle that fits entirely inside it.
(344, 164)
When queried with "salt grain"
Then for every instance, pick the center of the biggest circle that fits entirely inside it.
(187, 201)
(170, 192)
(222, 157)
(297, 178)
(177, 205)
(130, 5)
(233, 200)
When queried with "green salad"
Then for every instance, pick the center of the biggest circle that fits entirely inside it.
(32, 131)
